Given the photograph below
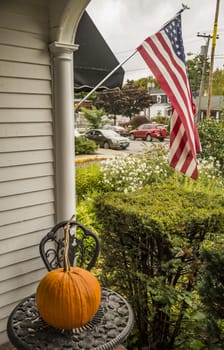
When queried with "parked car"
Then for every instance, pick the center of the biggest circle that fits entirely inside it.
(148, 132)
(119, 129)
(107, 138)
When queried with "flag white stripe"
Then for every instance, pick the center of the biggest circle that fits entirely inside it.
(171, 83)
(164, 54)
(169, 80)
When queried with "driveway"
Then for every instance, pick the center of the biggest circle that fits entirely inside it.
(135, 147)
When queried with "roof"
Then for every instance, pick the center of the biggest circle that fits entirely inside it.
(217, 102)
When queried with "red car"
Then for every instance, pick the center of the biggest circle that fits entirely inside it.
(148, 132)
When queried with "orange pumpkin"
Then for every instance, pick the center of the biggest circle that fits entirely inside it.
(68, 297)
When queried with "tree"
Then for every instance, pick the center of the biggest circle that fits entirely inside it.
(218, 82)
(136, 99)
(129, 100)
(111, 101)
(94, 116)
(195, 69)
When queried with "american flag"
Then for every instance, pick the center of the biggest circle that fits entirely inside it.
(164, 53)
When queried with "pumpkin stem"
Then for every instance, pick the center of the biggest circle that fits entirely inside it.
(67, 264)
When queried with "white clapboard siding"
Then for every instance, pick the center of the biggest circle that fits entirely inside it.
(5, 310)
(26, 70)
(24, 101)
(25, 186)
(19, 256)
(27, 169)
(22, 22)
(20, 54)
(25, 115)
(3, 337)
(35, 7)
(26, 144)
(21, 268)
(23, 158)
(20, 281)
(44, 223)
(22, 39)
(16, 295)
(25, 172)
(25, 129)
(26, 199)
(18, 215)
(20, 242)
(29, 86)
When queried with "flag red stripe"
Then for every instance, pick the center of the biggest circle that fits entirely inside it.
(166, 87)
(164, 54)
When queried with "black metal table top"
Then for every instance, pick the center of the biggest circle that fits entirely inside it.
(110, 327)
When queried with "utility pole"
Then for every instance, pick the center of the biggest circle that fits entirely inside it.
(212, 58)
(204, 54)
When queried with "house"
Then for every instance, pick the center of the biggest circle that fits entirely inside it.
(217, 106)
(161, 105)
(36, 136)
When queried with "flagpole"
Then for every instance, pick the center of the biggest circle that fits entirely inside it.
(104, 79)
(212, 59)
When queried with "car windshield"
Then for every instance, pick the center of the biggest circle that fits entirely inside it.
(110, 133)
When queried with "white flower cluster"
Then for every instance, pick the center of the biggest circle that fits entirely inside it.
(132, 173)
(129, 174)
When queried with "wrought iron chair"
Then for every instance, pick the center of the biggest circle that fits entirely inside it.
(26, 329)
(84, 246)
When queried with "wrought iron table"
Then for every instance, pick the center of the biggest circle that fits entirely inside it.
(110, 327)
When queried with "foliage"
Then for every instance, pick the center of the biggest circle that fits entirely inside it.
(162, 119)
(138, 120)
(94, 116)
(111, 101)
(195, 68)
(84, 145)
(88, 179)
(143, 82)
(130, 174)
(136, 99)
(211, 289)
(218, 82)
(212, 140)
(151, 247)
(129, 100)
(154, 231)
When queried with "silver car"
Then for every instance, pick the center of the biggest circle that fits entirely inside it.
(107, 139)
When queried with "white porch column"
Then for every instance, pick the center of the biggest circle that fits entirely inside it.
(63, 109)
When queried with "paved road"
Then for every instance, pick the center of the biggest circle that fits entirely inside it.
(135, 147)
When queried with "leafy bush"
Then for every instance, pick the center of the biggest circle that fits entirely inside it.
(151, 250)
(143, 230)
(87, 179)
(212, 140)
(211, 289)
(132, 173)
(84, 145)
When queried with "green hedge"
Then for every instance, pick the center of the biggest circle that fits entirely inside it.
(84, 146)
(151, 242)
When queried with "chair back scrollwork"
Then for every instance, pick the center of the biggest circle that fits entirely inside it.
(84, 246)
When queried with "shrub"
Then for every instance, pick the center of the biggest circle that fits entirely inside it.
(151, 243)
(212, 139)
(211, 290)
(130, 174)
(84, 146)
(87, 179)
